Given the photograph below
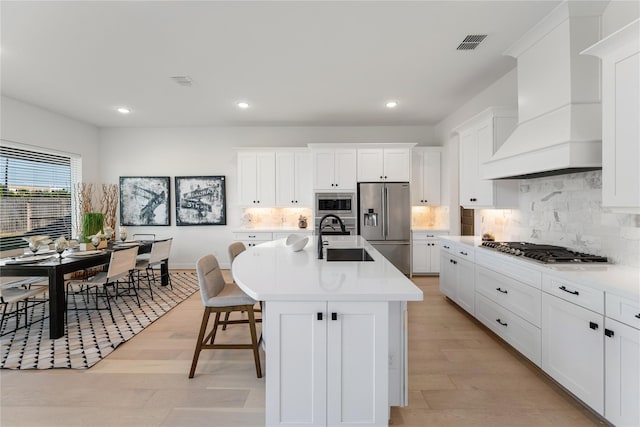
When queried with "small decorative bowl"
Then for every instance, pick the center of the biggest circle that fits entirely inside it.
(296, 243)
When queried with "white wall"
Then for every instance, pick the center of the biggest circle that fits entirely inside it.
(30, 125)
(502, 93)
(618, 14)
(210, 151)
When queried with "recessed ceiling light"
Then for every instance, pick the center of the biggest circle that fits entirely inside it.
(123, 110)
(391, 104)
(243, 105)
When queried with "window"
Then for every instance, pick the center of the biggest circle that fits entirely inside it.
(35, 191)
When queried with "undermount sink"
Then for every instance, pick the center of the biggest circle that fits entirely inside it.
(348, 254)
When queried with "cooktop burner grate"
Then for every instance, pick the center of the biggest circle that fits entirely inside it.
(544, 253)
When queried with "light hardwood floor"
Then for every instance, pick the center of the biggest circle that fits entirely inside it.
(459, 375)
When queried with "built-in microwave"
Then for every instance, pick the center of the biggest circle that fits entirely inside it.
(341, 204)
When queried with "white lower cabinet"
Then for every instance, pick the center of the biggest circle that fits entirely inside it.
(327, 363)
(573, 349)
(425, 252)
(457, 280)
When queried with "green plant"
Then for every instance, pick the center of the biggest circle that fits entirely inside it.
(92, 223)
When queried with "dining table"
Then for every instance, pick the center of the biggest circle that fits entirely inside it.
(55, 268)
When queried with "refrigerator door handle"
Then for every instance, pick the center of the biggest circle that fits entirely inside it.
(383, 211)
(386, 212)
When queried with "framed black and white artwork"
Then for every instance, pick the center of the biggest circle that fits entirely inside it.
(144, 200)
(201, 200)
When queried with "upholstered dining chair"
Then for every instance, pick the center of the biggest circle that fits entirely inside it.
(120, 271)
(145, 267)
(21, 297)
(220, 297)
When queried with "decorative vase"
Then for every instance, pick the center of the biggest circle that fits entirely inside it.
(302, 222)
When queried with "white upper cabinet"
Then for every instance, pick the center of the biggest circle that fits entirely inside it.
(256, 178)
(620, 54)
(480, 137)
(293, 178)
(334, 169)
(384, 164)
(425, 170)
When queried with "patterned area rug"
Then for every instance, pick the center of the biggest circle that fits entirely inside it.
(90, 334)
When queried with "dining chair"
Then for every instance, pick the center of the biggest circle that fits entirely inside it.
(120, 271)
(22, 297)
(26, 281)
(235, 249)
(145, 267)
(220, 297)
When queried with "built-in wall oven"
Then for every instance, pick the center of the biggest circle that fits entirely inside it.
(342, 205)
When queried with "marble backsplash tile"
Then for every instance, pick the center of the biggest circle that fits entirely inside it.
(566, 210)
(434, 217)
(275, 217)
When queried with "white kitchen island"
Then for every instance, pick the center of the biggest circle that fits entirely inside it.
(335, 333)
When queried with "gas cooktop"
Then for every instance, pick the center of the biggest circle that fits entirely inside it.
(544, 253)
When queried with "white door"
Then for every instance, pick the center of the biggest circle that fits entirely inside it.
(266, 180)
(417, 178)
(370, 165)
(296, 363)
(303, 189)
(420, 256)
(573, 349)
(465, 285)
(448, 275)
(622, 370)
(285, 178)
(484, 187)
(247, 178)
(345, 170)
(468, 168)
(397, 164)
(323, 170)
(357, 363)
(431, 178)
(434, 256)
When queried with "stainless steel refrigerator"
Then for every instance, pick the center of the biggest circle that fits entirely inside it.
(384, 219)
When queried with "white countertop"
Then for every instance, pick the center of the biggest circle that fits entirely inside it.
(616, 279)
(272, 272)
(274, 229)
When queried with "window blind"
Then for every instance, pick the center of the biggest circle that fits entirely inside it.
(36, 195)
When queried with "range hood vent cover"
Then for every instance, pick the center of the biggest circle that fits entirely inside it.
(471, 41)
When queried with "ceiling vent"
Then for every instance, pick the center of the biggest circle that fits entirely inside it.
(471, 41)
(182, 80)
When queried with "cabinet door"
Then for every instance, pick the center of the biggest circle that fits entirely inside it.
(420, 257)
(357, 363)
(622, 370)
(370, 165)
(397, 164)
(296, 386)
(285, 179)
(417, 179)
(465, 285)
(573, 349)
(266, 180)
(323, 170)
(448, 273)
(431, 178)
(468, 168)
(484, 187)
(303, 191)
(434, 256)
(345, 170)
(247, 179)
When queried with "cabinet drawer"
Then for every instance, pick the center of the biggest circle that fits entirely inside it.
(521, 273)
(519, 333)
(262, 236)
(581, 295)
(521, 299)
(460, 250)
(426, 234)
(447, 246)
(624, 310)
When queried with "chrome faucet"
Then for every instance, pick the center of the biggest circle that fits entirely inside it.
(320, 231)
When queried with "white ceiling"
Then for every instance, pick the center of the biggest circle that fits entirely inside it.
(296, 62)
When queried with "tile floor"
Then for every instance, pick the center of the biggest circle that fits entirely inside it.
(459, 375)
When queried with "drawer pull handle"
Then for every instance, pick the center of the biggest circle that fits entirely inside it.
(638, 315)
(501, 322)
(446, 247)
(608, 332)
(464, 253)
(319, 315)
(593, 325)
(334, 316)
(563, 288)
(501, 290)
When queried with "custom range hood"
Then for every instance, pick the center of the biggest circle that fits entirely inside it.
(559, 115)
